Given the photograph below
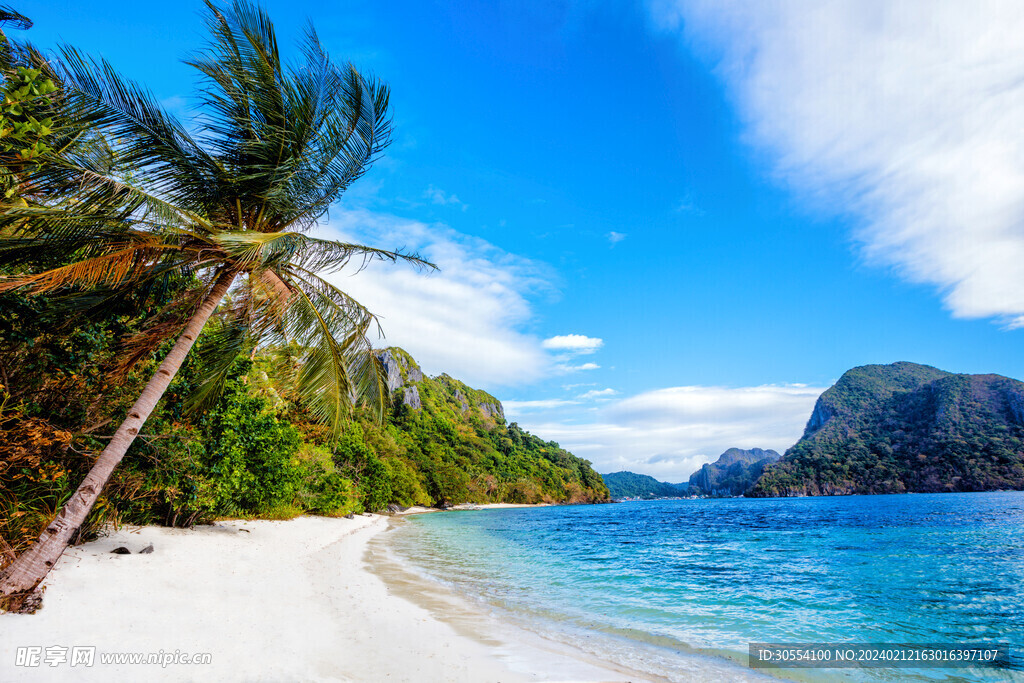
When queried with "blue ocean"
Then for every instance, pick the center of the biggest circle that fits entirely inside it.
(664, 586)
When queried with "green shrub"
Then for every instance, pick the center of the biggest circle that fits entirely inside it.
(323, 490)
(406, 487)
(251, 454)
(354, 457)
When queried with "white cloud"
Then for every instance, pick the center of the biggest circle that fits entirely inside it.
(573, 343)
(439, 196)
(670, 433)
(576, 368)
(465, 319)
(597, 393)
(907, 114)
(516, 408)
(616, 237)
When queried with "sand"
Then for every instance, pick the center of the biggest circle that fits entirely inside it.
(266, 601)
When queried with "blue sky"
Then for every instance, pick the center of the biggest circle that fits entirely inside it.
(664, 228)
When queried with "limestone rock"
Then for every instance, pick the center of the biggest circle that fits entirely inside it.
(733, 473)
(392, 370)
(492, 410)
(411, 398)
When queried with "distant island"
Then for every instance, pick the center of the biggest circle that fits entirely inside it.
(906, 428)
(896, 428)
(733, 473)
(632, 485)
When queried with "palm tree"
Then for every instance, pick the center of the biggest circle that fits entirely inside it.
(226, 204)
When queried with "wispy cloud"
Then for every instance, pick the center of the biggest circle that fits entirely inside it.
(669, 433)
(565, 367)
(616, 237)
(597, 393)
(438, 196)
(573, 343)
(905, 114)
(688, 205)
(176, 104)
(466, 319)
(517, 408)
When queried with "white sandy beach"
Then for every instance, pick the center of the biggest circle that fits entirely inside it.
(268, 601)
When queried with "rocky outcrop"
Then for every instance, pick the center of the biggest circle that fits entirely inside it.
(492, 410)
(395, 369)
(406, 383)
(411, 397)
(453, 445)
(821, 414)
(733, 473)
(461, 399)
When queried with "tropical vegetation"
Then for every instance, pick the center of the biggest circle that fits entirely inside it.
(127, 238)
(158, 209)
(632, 485)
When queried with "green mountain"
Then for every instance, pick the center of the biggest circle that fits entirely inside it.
(733, 473)
(461, 449)
(633, 485)
(906, 427)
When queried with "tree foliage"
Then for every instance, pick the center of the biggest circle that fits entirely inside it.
(632, 485)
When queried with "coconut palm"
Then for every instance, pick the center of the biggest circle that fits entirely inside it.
(226, 203)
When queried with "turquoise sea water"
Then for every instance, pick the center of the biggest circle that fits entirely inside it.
(661, 585)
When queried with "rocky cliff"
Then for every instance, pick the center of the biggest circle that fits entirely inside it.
(455, 440)
(906, 427)
(404, 380)
(733, 473)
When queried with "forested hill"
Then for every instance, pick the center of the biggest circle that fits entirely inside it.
(906, 427)
(462, 449)
(632, 485)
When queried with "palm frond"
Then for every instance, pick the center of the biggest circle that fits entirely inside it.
(17, 21)
(339, 368)
(253, 312)
(116, 268)
(256, 249)
(150, 204)
(165, 324)
(222, 344)
(148, 140)
(299, 135)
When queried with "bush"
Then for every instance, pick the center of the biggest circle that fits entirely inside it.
(406, 487)
(251, 454)
(323, 490)
(353, 457)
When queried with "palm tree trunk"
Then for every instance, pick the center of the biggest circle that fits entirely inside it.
(32, 566)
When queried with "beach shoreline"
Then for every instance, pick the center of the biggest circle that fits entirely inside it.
(265, 601)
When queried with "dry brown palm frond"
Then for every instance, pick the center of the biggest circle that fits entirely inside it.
(113, 269)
